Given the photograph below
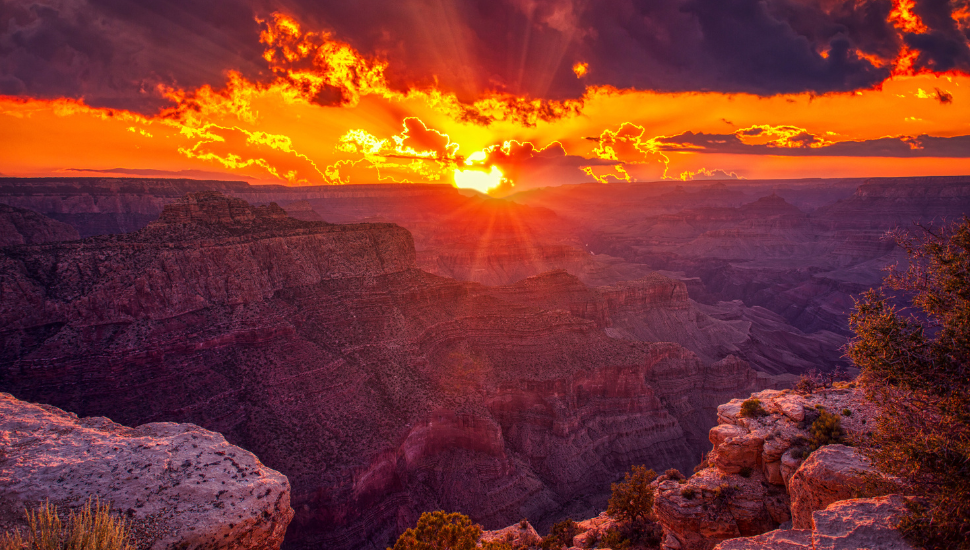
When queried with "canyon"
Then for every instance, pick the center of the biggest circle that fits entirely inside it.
(393, 349)
(378, 389)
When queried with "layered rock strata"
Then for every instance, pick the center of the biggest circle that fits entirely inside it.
(380, 391)
(757, 477)
(21, 226)
(180, 486)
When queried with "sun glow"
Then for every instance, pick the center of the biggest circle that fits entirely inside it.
(478, 180)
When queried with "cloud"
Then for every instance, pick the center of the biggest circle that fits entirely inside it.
(501, 60)
(149, 172)
(705, 174)
(792, 141)
(526, 166)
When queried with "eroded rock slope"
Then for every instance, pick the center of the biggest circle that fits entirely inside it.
(381, 391)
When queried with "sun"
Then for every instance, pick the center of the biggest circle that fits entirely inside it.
(478, 180)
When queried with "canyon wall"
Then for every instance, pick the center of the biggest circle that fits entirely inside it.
(379, 390)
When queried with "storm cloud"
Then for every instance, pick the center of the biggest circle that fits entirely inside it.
(117, 53)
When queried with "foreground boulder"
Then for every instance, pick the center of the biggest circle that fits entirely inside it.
(831, 474)
(181, 486)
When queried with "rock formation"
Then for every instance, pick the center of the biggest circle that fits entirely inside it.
(179, 485)
(850, 524)
(757, 477)
(21, 226)
(798, 248)
(756, 482)
(381, 391)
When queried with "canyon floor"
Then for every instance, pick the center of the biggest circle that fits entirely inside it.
(398, 349)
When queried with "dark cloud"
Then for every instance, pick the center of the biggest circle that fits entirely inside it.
(944, 47)
(529, 166)
(805, 144)
(116, 52)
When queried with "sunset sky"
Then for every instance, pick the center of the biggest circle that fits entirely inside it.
(500, 94)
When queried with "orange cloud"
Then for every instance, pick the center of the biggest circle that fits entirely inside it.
(714, 174)
(903, 18)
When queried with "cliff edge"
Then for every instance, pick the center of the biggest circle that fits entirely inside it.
(180, 486)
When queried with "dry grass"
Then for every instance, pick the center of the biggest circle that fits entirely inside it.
(90, 528)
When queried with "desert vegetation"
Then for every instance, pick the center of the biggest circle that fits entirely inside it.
(90, 528)
(915, 362)
(752, 408)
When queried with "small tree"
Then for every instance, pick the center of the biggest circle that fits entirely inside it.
(917, 367)
(632, 499)
(440, 531)
(560, 536)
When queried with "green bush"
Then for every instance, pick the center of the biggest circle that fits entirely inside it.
(561, 535)
(915, 366)
(846, 412)
(826, 430)
(632, 499)
(688, 493)
(441, 531)
(632, 534)
(90, 528)
(751, 408)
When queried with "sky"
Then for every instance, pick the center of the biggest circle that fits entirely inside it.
(495, 95)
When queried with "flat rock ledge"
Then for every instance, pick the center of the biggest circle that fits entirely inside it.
(179, 485)
(861, 523)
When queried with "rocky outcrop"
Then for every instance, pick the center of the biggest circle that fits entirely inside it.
(379, 390)
(302, 210)
(757, 478)
(843, 525)
(860, 523)
(21, 226)
(831, 474)
(521, 534)
(179, 485)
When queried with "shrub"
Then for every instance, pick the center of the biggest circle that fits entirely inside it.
(914, 365)
(674, 473)
(91, 528)
(688, 493)
(632, 498)
(807, 385)
(632, 534)
(745, 471)
(441, 531)
(523, 523)
(751, 408)
(846, 412)
(826, 430)
(561, 535)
